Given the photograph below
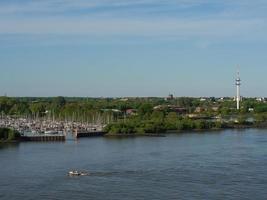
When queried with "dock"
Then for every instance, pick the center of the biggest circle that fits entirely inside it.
(44, 138)
(89, 134)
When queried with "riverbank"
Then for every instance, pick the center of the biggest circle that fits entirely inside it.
(12, 136)
(144, 127)
(230, 126)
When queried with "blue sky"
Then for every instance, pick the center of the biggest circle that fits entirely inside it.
(132, 47)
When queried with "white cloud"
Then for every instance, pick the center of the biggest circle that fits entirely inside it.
(42, 19)
(66, 5)
(58, 6)
(170, 27)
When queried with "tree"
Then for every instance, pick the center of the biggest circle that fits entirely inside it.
(185, 101)
(261, 117)
(6, 104)
(241, 119)
(59, 101)
(145, 110)
(37, 109)
(157, 116)
(200, 124)
(171, 120)
(20, 109)
(180, 125)
(7, 135)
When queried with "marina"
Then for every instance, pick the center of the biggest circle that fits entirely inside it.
(40, 129)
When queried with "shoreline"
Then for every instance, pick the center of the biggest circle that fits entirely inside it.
(120, 135)
(163, 134)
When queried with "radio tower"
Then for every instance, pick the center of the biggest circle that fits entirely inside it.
(238, 83)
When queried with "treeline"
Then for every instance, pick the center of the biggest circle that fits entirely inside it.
(58, 108)
(159, 122)
(8, 135)
(61, 106)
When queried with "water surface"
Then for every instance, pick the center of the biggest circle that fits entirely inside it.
(226, 165)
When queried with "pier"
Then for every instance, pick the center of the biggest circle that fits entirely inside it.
(89, 134)
(44, 138)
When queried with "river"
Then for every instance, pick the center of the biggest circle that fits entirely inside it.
(230, 164)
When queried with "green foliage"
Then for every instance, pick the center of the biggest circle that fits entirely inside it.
(200, 124)
(37, 109)
(7, 135)
(261, 117)
(171, 120)
(145, 110)
(58, 102)
(241, 119)
(157, 116)
(154, 125)
(185, 101)
(6, 104)
(20, 108)
(135, 127)
(260, 108)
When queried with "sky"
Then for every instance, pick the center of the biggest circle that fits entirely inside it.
(118, 48)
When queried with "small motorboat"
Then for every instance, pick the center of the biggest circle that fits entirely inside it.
(77, 173)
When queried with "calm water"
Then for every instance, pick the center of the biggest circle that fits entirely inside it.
(225, 165)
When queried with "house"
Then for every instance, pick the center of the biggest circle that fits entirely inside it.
(215, 108)
(251, 109)
(131, 112)
(124, 99)
(171, 108)
(178, 110)
(260, 99)
(199, 109)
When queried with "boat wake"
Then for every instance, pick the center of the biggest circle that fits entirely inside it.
(105, 173)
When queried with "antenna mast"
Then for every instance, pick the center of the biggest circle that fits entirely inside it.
(238, 83)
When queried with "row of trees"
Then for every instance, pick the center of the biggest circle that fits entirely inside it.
(59, 105)
(55, 108)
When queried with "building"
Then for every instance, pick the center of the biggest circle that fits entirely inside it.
(170, 97)
(131, 112)
(170, 108)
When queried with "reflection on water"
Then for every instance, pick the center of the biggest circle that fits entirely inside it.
(9, 145)
(224, 165)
